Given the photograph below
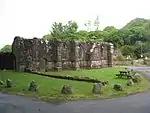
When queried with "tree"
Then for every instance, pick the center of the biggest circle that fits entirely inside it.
(113, 36)
(127, 50)
(61, 31)
(57, 30)
(147, 30)
(71, 27)
(138, 30)
(110, 29)
(48, 36)
(125, 34)
(138, 49)
(146, 47)
(95, 35)
(82, 35)
(136, 34)
(6, 48)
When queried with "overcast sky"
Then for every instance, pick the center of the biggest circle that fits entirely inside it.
(33, 18)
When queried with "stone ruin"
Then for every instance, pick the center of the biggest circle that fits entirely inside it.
(43, 55)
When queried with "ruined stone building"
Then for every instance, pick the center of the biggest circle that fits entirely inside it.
(39, 54)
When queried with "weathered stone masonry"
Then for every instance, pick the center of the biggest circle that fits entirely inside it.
(42, 55)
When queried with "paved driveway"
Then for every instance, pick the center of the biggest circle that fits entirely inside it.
(139, 103)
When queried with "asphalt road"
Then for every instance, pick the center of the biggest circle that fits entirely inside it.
(138, 103)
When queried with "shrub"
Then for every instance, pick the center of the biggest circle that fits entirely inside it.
(32, 86)
(118, 87)
(8, 83)
(97, 88)
(130, 82)
(136, 78)
(1, 82)
(119, 57)
(67, 89)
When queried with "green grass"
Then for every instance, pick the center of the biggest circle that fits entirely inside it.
(106, 74)
(50, 88)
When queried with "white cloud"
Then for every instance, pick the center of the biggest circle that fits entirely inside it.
(29, 18)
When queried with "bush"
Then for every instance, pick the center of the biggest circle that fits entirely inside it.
(1, 82)
(67, 89)
(119, 57)
(127, 50)
(130, 82)
(8, 83)
(32, 86)
(97, 88)
(118, 87)
(147, 54)
(136, 78)
(132, 72)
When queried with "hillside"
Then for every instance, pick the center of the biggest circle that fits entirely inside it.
(138, 22)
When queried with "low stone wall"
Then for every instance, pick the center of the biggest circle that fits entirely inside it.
(67, 77)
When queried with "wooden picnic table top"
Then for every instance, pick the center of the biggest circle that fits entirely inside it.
(123, 71)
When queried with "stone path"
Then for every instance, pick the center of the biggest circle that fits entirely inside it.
(139, 103)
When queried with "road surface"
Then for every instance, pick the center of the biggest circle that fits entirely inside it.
(138, 103)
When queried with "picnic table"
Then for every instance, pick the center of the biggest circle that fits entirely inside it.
(124, 74)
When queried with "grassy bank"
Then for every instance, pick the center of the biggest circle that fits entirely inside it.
(50, 88)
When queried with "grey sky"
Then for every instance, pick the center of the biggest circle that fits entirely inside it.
(33, 18)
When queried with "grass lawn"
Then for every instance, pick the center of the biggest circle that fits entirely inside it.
(106, 74)
(49, 88)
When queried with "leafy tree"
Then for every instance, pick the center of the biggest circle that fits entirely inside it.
(127, 50)
(125, 34)
(119, 57)
(147, 30)
(113, 36)
(136, 34)
(64, 31)
(95, 35)
(6, 48)
(110, 29)
(138, 49)
(146, 47)
(147, 54)
(71, 27)
(83, 35)
(48, 36)
(57, 30)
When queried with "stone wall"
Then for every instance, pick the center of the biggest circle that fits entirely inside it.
(42, 55)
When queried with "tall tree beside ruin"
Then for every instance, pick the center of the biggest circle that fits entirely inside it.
(57, 30)
(61, 31)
